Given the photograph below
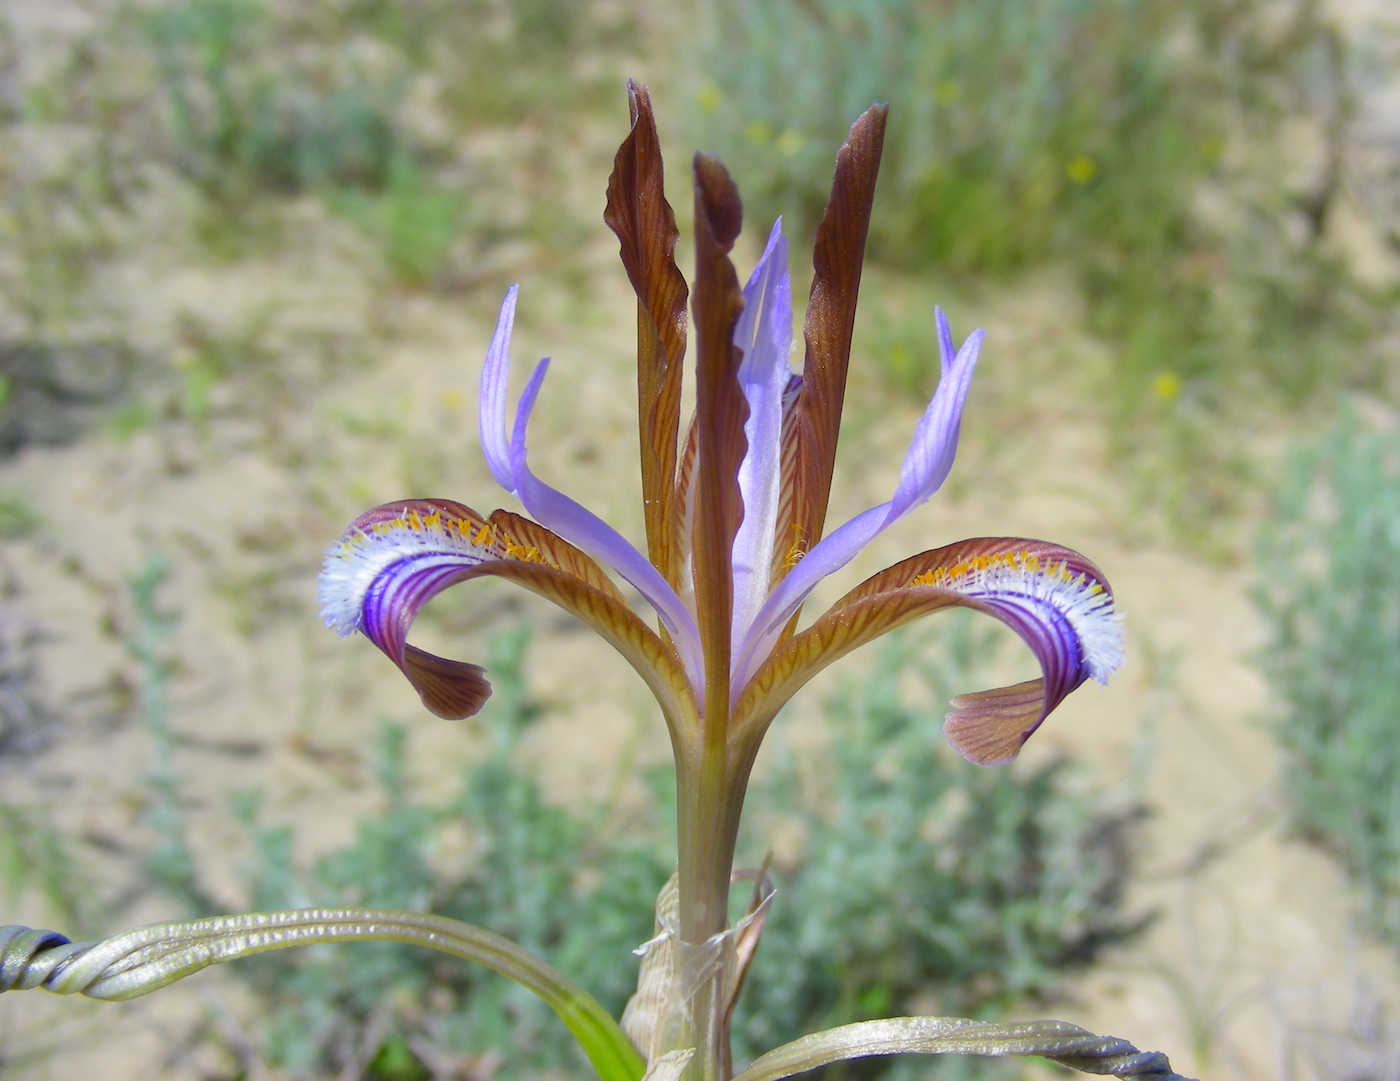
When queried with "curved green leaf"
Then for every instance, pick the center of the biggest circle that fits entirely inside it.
(143, 960)
(1066, 1044)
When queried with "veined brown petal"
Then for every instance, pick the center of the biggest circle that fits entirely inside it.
(637, 211)
(1055, 599)
(449, 689)
(831, 314)
(393, 559)
(686, 500)
(514, 531)
(789, 545)
(720, 412)
(655, 661)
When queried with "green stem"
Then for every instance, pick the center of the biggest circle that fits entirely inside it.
(148, 958)
(710, 799)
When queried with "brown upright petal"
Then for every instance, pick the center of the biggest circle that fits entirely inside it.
(638, 213)
(831, 314)
(686, 505)
(720, 412)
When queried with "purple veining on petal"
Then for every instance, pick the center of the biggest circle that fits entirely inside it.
(401, 590)
(495, 377)
(926, 466)
(1051, 638)
(764, 333)
(1058, 603)
(1067, 617)
(580, 526)
(791, 390)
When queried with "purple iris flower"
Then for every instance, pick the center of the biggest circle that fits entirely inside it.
(735, 508)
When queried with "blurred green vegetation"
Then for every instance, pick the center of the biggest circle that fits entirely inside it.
(1329, 589)
(1150, 148)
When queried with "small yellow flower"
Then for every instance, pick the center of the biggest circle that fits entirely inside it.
(1167, 386)
(1082, 169)
(790, 143)
(759, 132)
(708, 97)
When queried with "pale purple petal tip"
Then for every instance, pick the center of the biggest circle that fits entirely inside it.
(945, 339)
(495, 379)
(935, 443)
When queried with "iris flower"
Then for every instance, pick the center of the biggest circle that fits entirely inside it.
(735, 514)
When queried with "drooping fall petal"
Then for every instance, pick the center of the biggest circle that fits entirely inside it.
(393, 559)
(1056, 600)
(637, 211)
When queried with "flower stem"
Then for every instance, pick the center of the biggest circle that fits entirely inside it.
(710, 798)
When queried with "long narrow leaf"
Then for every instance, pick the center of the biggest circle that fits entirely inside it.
(143, 960)
(1064, 1043)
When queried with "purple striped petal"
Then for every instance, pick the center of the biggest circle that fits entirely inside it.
(1064, 611)
(1057, 601)
(926, 466)
(580, 526)
(764, 333)
(389, 563)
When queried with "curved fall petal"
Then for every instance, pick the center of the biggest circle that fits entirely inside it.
(392, 560)
(1056, 600)
(925, 468)
(507, 458)
(764, 333)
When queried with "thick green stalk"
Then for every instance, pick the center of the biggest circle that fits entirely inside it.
(710, 799)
